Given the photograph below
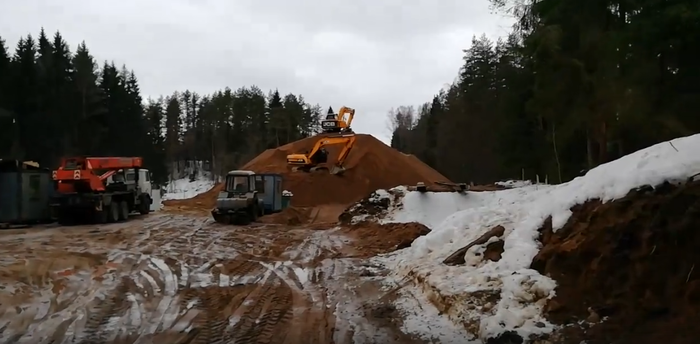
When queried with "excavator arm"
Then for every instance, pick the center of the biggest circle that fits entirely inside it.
(351, 114)
(338, 168)
(329, 142)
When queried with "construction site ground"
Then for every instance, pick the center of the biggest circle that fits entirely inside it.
(174, 277)
(620, 271)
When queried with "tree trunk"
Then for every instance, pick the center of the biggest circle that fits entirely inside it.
(603, 144)
(589, 150)
(556, 153)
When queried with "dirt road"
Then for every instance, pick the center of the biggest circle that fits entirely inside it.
(168, 278)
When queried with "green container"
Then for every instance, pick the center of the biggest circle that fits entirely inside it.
(285, 201)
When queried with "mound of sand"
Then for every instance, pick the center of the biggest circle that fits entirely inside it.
(372, 238)
(371, 165)
(203, 201)
(632, 261)
(320, 215)
(320, 196)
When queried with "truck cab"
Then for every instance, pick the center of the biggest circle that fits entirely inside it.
(129, 179)
(238, 201)
(240, 182)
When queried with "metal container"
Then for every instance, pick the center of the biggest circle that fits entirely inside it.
(25, 191)
(269, 187)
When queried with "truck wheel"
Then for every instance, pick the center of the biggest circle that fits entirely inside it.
(254, 213)
(218, 218)
(123, 211)
(66, 218)
(145, 204)
(101, 216)
(113, 212)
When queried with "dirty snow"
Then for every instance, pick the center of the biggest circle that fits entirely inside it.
(422, 319)
(456, 220)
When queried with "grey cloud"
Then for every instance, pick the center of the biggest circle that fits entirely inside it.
(371, 55)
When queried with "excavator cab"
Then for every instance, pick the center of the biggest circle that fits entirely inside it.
(338, 123)
(318, 157)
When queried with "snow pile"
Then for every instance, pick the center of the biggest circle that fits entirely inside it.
(186, 188)
(512, 184)
(191, 180)
(498, 296)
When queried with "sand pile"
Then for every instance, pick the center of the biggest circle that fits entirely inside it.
(632, 261)
(371, 165)
(373, 238)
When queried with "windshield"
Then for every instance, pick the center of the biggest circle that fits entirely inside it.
(237, 184)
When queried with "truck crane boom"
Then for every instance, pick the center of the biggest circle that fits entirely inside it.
(78, 171)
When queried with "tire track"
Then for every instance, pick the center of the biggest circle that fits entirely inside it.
(106, 315)
(248, 316)
(182, 280)
(275, 318)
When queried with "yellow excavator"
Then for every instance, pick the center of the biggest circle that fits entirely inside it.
(318, 156)
(338, 123)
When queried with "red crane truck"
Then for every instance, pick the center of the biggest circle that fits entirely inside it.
(100, 189)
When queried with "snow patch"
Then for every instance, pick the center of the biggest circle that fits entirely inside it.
(190, 181)
(186, 188)
(511, 184)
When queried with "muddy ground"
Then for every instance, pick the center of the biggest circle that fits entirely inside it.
(180, 278)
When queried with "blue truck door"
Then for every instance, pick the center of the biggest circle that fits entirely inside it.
(278, 193)
(269, 193)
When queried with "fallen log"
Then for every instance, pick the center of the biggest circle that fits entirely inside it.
(457, 258)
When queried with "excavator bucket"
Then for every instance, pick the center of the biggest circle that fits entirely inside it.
(337, 170)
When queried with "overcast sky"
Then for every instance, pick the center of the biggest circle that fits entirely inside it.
(370, 55)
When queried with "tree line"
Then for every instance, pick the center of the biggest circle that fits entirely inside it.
(576, 84)
(55, 102)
